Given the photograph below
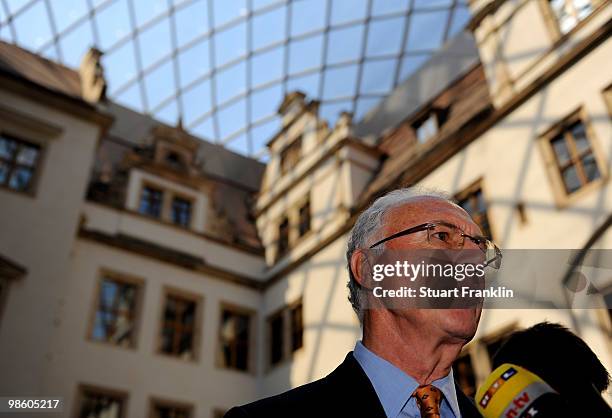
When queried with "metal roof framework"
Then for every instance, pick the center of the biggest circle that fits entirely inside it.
(223, 66)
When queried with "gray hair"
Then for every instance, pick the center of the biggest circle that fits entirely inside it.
(368, 226)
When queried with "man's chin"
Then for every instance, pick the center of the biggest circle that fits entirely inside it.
(461, 323)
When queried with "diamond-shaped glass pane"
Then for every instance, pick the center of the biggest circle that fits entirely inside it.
(267, 66)
(261, 24)
(115, 22)
(345, 44)
(378, 76)
(33, 26)
(230, 44)
(427, 30)
(196, 102)
(385, 37)
(194, 63)
(265, 102)
(340, 82)
(231, 82)
(231, 119)
(191, 22)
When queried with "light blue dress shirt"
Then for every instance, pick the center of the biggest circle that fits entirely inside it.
(394, 387)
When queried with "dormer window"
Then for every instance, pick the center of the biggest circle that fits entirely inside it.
(174, 160)
(290, 155)
(428, 126)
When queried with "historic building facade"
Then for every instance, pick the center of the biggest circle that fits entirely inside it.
(146, 272)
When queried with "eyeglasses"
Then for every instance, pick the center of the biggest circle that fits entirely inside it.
(446, 235)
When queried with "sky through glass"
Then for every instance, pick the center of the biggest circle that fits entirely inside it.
(223, 66)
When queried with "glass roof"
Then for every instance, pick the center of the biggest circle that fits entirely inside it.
(223, 66)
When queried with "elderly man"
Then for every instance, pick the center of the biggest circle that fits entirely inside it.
(403, 365)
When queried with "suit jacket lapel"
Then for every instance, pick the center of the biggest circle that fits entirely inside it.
(466, 405)
(356, 390)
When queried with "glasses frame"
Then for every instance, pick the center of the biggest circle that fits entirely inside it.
(496, 260)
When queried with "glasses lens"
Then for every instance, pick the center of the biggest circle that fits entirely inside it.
(493, 256)
(443, 235)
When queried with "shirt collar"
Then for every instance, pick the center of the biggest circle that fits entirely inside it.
(394, 387)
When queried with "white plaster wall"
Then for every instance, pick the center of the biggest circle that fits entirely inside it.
(37, 232)
(112, 221)
(141, 371)
(330, 325)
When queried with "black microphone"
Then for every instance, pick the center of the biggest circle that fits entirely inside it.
(565, 362)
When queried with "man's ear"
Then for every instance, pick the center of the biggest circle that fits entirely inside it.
(358, 261)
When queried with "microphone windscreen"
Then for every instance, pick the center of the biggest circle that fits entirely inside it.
(511, 391)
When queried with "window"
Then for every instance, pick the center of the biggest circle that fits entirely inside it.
(428, 126)
(286, 333)
(463, 371)
(277, 336)
(151, 201)
(101, 403)
(116, 312)
(181, 212)
(426, 129)
(234, 338)
(174, 160)
(304, 219)
(568, 13)
(574, 156)
(283, 237)
(18, 161)
(167, 409)
(297, 327)
(472, 200)
(178, 332)
(290, 155)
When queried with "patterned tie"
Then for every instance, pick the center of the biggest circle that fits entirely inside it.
(428, 399)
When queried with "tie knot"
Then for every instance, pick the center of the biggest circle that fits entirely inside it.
(428, 399)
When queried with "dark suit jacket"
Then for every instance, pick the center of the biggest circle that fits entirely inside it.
(345, 392)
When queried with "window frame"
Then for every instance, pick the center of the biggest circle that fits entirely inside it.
(288, 350)
(155, 401)
(32, 188)
(305, 204)
(197, 323)
(553, 24)
(439, 115)
(562, 197)
(282, 251)
(293, 146)
(469, 191)
(173, 198)
(123, 395)
(168, 196)
(163, 191)
(102, 275)
(251, 344)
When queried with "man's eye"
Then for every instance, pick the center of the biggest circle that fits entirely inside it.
(442, 236)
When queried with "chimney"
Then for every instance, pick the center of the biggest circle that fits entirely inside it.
(93, 84)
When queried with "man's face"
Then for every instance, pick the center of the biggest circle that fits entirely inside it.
(446, 323)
